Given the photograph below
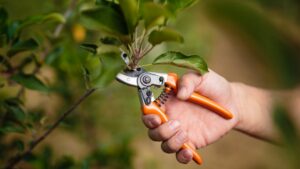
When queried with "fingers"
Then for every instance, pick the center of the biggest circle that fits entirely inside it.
(173, 144)
(172, 136)
(164, 131)
(184, 156)
(187, 85)
(151, 121)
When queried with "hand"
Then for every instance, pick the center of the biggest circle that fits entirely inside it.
(192, 123)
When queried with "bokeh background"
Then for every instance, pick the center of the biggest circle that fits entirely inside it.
(256, 42)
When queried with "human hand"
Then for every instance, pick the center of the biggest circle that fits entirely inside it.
(189, 122)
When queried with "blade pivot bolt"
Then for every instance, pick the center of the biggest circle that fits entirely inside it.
(146, 79)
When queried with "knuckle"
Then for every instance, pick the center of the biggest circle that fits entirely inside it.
(162, 133)
(151, 134)
(172, 146)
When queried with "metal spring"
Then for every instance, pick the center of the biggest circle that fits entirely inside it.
(163, 97)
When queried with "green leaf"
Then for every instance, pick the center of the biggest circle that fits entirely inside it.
(130, 10)
(22, 46)
(3, 16)
(284, 123)
(111, 65)
(30, 82)
(5, 62)
(26, 61)
(156, 18)
(110, 41)
(52, 56)
(289, 134)
(159, 36)
(176, 5)
(19, 144)
(41, 19)
(12, 30)
(14, 109)
(92, 48)
(17, 113)
(103, 2)
(194, 62)
(105, 18)
(66, 162)
(12, 128)
(3, 39)
(53, 17)
(85, 164)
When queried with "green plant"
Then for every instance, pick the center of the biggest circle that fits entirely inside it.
(127, 25)
(136, 27)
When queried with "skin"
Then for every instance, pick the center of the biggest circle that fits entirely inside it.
(200, 127)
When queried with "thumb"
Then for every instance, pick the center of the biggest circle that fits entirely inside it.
(187, 85)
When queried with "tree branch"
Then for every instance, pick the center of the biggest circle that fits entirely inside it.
(19, 157)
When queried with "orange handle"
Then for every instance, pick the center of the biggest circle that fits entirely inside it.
(199, 99)
(211, 105)
(152, 108)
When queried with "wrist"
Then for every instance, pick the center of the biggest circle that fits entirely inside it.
(238, 93)
(254, 109)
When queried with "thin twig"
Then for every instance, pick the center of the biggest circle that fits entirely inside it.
(67, 15)
(18, 158)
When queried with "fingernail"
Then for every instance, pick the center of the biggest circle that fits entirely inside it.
(187, 155)
(182, 93)
(174, 124)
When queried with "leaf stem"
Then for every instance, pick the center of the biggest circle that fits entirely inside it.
(147, 65)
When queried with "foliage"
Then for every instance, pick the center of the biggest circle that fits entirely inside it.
(41, 56)
(136, 26)
(126, 24)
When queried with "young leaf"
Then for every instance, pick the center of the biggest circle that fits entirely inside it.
(176, 5)
(52, 17)
(105, 18)
(159, 36)
(22, 46)
(130, 10)
(30, 82)
(110, 41)
(92, 48)
(156, 18)
(111, 65)
(194, 62)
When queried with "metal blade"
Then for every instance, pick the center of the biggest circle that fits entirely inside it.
(128, 80)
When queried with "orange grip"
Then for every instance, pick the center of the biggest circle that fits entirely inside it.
(152, 108)
(199, 99)
(211, 105)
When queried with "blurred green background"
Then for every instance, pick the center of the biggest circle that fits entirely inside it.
(256, 42)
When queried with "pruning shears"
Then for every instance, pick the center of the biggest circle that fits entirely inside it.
(143, 81)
